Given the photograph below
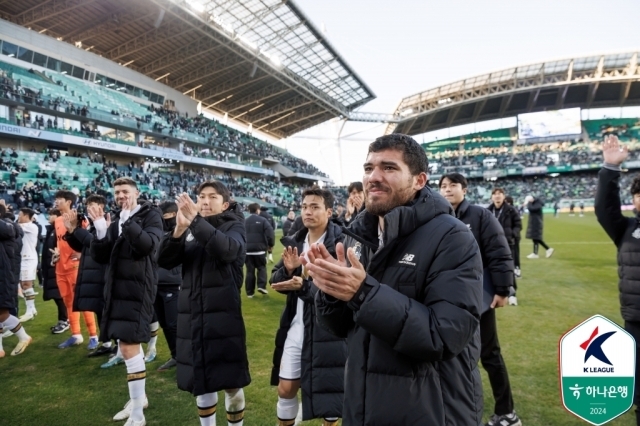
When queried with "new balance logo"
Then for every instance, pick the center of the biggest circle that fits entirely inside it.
(407, 259)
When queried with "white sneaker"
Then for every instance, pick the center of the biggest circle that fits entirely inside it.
(28, 316)
(550, 252)
(513, 301)
(130, 422)
(533, 256)
(263, 290)
(126, 411)
(517, 272)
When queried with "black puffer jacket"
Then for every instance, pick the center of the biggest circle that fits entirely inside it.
(260, 236)
(7, 282)
(323, 354)
(536, 218)
(17, 252)
(625, 234)
(495, 252)
(297, 225)
(413, 339)
(89, 292)
(510, 221)
(211, 340)
(286, 226)
(130, 284)
(50, 285)
(267, 215)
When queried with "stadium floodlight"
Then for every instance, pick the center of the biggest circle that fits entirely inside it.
(273, 57)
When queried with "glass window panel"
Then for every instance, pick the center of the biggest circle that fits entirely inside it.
(39, 59)
(78, 72)
(9, 49)
(53, 64)
(66, 68)
(100, 79)
(25, 54)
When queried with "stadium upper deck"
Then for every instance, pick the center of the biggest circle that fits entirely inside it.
(586, 82)
(260, 61)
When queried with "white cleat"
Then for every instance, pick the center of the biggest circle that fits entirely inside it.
(130, 422)
(550, 252)
(533, 256)
(28, 316)
(517, 273)
(513, 301)
(126, 411)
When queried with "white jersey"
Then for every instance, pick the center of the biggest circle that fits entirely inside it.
(29, 241)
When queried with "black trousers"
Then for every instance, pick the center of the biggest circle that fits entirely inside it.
(62, 310)
(493, 363)
(166, 310)
(540, 242)
(633, 328)
(255, 262)
(515, 252)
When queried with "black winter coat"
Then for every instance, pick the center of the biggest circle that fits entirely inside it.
(323, 355)
(286, 226)
(413, 337)
(510, 221)
(17, 252)
(50, 285)
(535, 224)
(211, 340)
(130, 282)
(269, 218)
(7, 281)
(169, 277)
(89, 291)
(297, 225)
(260, 235)
(494, 249)
(625, 234)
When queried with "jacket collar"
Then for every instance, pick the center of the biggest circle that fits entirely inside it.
(232, 213)
(297, 240)
(462, 208)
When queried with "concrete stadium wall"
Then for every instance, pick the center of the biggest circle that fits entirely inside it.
(66, 52)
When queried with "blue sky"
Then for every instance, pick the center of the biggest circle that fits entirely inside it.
(403, 47)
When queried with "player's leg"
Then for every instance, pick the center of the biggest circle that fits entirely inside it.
(136, 380)
(234, 404)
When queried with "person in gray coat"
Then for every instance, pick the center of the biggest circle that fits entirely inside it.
(535, 226)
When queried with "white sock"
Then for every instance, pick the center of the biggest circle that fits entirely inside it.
(234, 404)
(154, 327)
(13, 324)
(287, 409)
(118, 353)
(136, 378)
(30, 299)
(78, 337)
(107, 344)
(207, 405)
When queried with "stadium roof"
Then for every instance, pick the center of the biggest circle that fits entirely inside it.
(586, 82)
(260, 61)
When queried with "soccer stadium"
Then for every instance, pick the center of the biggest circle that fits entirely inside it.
(166, 95)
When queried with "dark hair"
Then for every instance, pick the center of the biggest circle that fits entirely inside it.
(54, 212)
(412, 153)
(253, 207)
(327, 196)
(509, 200)
(28, 212)
(168, 207)
(9, 215)
(355, 185)
(95, 198)
(3, 209)
(455, 178)
(67, 195)
(218, 186)
(635, 185)
(125, 181)
(497, 190)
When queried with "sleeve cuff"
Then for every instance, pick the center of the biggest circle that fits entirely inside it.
(614, 167)
(361, 295)
(101, 228)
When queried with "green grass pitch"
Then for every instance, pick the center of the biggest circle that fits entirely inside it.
(47, 386)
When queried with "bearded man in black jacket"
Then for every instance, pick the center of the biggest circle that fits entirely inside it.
(209, 242)
(408, 300)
